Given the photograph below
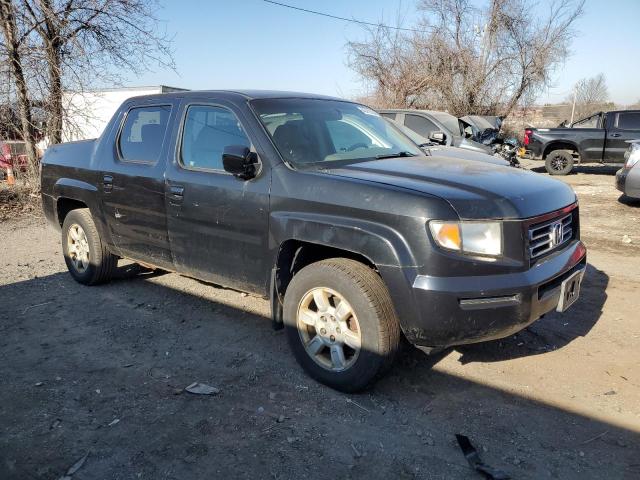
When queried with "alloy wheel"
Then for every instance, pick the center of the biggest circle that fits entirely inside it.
(78, 247)
(329, 329)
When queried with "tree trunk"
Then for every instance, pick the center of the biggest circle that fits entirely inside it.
(53, 47)
(9, 30)
(54, 127)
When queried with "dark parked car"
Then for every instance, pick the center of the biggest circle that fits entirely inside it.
(601, 138)
(323, 207)
(628, 177)
(433, 149)
(439, 127)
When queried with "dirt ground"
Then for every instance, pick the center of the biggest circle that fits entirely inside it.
(100, 370)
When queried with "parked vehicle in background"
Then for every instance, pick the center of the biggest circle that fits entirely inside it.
(601, 138)
(628, 177)
(12, 154)
(324, 208)
(439, 127)
(483, 130)
(434, 150)
(486, 129)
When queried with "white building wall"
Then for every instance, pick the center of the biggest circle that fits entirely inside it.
(87, 113)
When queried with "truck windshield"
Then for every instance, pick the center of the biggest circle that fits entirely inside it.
(317, 131)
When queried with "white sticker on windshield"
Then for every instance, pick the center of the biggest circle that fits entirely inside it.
(367, 111)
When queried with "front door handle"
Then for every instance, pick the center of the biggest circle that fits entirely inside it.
(176, 194)
(616, 135)
(107, 183)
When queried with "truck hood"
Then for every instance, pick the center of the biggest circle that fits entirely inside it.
(475, 190)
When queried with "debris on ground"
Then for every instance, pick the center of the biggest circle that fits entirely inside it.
(356, 452)
(357, 405)
(626, 239)
(202, 389)
(75, 467)
(471, 454)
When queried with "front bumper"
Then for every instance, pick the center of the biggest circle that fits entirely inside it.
(461, 310)
(621, 179)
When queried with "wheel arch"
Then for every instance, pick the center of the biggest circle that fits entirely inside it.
(301, 240)
(64, 205)
(561, 145)
(70, 194)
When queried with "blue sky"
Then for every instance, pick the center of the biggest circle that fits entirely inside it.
(252, 44)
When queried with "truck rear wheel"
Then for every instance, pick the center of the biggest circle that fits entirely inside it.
(86, 256)
(559, 162)
(340, 323)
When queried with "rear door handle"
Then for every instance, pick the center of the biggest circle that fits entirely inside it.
(176, 194)
(107, 183)
(616, 134)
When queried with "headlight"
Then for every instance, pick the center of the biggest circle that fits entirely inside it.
(480, 238)
(632, 155)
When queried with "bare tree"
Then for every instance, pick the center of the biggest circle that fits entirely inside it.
(590, 95)
(85, 42)
(466, 59)
(48, 47)
(11, 49)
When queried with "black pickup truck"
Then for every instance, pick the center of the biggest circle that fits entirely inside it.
(602, 137)
(323, 207)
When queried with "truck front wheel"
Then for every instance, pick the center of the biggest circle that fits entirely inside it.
(86, 256)
(340, 323)
(559, 162)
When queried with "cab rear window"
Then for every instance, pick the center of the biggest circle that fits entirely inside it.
(629, 121)
(143, 133)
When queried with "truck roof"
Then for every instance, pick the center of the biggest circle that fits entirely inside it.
(246, 94)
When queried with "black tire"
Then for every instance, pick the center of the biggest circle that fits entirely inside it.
(101, 262)
(377, 322)
(559, 162)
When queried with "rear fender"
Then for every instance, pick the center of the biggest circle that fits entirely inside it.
(80, 191)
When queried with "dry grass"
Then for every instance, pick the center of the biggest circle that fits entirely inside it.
(19, 200)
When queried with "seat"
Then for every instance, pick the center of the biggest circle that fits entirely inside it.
(151, 144)
(293, 139)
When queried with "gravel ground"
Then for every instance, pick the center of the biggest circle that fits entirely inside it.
(101, 370)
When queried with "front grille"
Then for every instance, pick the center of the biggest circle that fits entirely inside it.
(547, 236)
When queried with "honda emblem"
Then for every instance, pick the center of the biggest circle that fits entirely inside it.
(556, 234)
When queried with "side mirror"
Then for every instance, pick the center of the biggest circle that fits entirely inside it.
(438, 137)
(240, 161)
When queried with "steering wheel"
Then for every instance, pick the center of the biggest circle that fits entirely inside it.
(357, 145)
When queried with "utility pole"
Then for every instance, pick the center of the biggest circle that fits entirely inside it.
(573, 109)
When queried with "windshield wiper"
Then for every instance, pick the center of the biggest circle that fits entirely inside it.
(404, 153)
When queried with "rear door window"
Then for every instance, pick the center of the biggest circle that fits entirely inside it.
(420, 125)
(628, 121)
(143, 133)
(207, 131)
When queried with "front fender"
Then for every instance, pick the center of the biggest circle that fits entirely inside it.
(382, 245)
